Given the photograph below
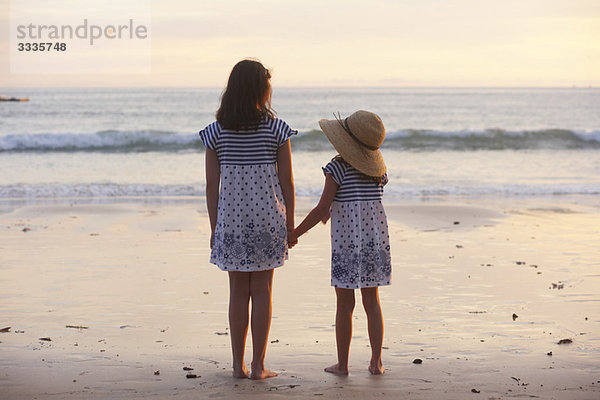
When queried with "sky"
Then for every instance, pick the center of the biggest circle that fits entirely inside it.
(402, 43)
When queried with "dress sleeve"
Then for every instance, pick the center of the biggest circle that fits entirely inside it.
(209, 135)
(283, 132)
(336, 170)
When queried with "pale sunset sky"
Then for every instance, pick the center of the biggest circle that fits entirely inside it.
(539, 43)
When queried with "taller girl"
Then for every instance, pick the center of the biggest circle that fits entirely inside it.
(248, 155)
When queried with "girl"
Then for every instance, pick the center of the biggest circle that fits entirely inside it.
(360, 245)
(248, 156)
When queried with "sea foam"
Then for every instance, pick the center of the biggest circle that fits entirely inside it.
(406, 139)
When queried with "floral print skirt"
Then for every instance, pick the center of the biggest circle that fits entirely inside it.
(360, 245)
(250, 234)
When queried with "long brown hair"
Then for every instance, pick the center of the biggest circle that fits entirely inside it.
(247, 97)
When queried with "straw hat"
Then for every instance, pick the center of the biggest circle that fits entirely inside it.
(357, 139)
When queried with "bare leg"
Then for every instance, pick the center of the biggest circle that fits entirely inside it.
(239, 298)
(343, 329)
(260, 291)
(370, 299)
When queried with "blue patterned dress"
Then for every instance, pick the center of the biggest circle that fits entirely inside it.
(251, 233)
(360, 242)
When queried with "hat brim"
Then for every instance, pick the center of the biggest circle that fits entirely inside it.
(369, 162)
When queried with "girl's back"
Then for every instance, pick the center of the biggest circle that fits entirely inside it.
(354, 185)
(250, 234)
(360, 244)
(249, 147)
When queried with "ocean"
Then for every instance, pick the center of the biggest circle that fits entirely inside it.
(102, 144)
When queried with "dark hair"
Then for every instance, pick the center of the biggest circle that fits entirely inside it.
(378, 179)
(247, 97)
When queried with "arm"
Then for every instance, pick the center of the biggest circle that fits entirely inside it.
(320, 212)
(286, 180)
(213, 179)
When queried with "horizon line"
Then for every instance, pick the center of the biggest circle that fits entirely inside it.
(308, 87)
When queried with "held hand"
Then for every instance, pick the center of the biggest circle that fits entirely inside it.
(326, 217)
(292, 239)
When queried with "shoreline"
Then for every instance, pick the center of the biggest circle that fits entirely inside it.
(136, 274)
(305, 202)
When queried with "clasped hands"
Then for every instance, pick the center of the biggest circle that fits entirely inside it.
(293, 234)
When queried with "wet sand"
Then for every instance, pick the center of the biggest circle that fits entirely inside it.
(482, 293)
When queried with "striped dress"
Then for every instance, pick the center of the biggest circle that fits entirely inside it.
(250, 234)
(360, 242)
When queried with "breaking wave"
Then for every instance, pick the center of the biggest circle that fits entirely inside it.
(114, 141)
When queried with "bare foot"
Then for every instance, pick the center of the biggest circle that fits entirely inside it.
(336, 370)
(376, 368)
(240, 373)
(262, 374)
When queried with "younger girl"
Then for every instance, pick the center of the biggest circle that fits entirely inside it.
(248, 156)
(360, 245)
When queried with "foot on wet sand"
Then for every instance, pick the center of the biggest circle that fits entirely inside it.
(240, 373)
(262, 374)
(376, 369)
(336, 370)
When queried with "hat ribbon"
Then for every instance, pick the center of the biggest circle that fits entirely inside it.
(344, 124)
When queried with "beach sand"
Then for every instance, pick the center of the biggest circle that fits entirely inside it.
(124, 296)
